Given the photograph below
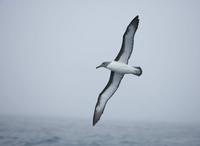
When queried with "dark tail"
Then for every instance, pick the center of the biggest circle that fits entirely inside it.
(138, 71)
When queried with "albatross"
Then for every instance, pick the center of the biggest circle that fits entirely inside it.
(119, 67)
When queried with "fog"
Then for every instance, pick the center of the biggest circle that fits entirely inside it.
(49, 51)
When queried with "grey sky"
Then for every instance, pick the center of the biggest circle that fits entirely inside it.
(49, 51)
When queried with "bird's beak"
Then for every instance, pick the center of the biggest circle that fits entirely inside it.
(98, 66)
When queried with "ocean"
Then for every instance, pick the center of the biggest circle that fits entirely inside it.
(39, 131)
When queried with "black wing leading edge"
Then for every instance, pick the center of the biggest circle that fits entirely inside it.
(106, 94)
(128, 41)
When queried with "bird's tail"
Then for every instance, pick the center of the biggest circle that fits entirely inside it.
(138, 70)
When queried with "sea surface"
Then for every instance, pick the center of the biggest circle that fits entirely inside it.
(38, 131)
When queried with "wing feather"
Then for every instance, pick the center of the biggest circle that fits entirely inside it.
(128, 41)
(106, 94)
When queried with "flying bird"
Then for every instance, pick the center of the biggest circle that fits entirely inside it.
(119, 67)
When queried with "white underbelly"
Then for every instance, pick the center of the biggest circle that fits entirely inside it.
(120, 68)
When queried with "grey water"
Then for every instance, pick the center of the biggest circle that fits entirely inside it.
(40, 131)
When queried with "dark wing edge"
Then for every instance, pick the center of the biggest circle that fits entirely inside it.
(100, 105)
(133, 23)
(97, 115)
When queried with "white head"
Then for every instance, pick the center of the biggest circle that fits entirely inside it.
(104, 64)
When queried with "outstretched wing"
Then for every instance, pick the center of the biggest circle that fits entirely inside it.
(128, 41)
(106, 94)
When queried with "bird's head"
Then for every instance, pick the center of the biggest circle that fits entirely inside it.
(104, 64)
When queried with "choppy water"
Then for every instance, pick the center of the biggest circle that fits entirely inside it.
(77, 132)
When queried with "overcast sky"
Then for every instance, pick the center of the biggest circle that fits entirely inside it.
(49, 51)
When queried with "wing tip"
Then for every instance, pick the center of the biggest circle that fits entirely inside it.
(135, 21)
(136, 17)
(95, 118)
(97, 113)
(94, 122)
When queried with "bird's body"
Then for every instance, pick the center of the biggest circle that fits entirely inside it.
(122, 68)
(119, 67)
